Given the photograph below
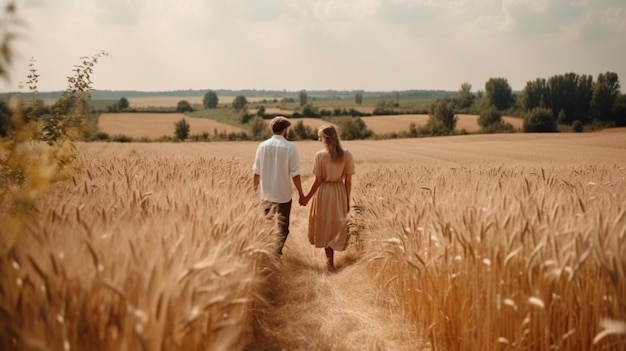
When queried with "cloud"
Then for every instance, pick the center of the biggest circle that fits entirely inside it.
(324, 44)
(118, 12)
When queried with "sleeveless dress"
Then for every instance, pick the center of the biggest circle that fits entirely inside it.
(328, 213)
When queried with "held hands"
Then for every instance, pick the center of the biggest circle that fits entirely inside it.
(304, 200)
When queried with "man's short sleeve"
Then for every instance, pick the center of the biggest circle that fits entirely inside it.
(294, 162)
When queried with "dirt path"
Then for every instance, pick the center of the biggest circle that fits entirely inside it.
(313, 309)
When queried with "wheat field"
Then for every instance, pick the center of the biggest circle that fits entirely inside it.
(479, 242)
(156, 125)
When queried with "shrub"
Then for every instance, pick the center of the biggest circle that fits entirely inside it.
(413, 131)
(121, 138)
(351, 128)
(309, 110)
(182, 129)
(539, 119)
(442, 118)
(184, 106)
(302, 132)
(577, 126)
(239, 103)
(258, 128)
(122, 104)
(210, 99)
(490, 116)
(102, 136)
(434, 127)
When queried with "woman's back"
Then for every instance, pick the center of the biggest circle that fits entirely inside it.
(331, 171)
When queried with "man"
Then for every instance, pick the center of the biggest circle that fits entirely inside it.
(277, 162)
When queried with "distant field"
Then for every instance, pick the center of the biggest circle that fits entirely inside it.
(390, 124)
(156, 125)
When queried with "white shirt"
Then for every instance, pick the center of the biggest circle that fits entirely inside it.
(276, 162)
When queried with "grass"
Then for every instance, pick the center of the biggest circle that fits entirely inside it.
(226, 115)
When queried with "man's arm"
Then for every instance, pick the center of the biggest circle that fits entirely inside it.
(256, 179)
(298, 183)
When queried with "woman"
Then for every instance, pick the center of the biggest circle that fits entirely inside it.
(333, 168)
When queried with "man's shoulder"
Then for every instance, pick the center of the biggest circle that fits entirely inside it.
(277, 142)
(268, 141)
(284, 142)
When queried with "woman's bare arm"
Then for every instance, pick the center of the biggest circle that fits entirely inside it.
(348, 184)
(314, 187)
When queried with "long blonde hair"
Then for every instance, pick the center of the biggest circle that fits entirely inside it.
(330, 139)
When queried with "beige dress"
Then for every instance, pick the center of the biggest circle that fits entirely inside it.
(329, 206)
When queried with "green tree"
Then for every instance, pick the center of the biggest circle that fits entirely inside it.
(498, 93)
(239, 103)
(442, 119)
(619, 111)
(258, 128)
(303, 132)
(182, 129)
(309, 110)
(413, 131)
(570, 93)
(260, 111)
(358, 97)
(210, 99)
(489, 117)
(352, 128)
(465, 98)
(122, 104)
(303, 97)
(577, 126)
(244, 117)
(605, 94)
(184, 106)
(539, 119)
(533, 94)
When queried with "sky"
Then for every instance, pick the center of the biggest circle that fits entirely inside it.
(293, 45)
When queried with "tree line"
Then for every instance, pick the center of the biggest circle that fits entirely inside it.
(566, 101)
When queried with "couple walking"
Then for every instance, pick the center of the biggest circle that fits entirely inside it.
(277, 164)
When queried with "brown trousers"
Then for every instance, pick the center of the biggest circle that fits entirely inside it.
(282, 212)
